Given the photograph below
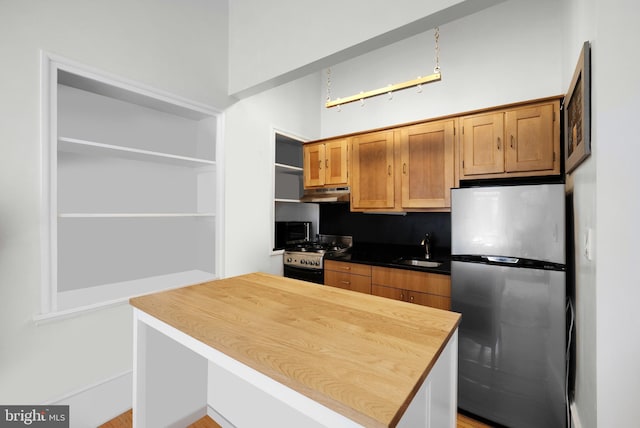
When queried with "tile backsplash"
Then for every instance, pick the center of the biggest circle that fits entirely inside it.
(409, 229)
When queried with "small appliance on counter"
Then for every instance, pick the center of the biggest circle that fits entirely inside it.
(305, 260)
(291, 232)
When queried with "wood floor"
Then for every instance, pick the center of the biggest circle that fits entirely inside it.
(125, 421)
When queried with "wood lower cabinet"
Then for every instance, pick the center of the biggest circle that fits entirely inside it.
(424, 299)
(325, 164)
(422, 288)
(349, 276)
(516, 142)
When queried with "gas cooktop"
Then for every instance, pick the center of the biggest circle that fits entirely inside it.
(309, 255)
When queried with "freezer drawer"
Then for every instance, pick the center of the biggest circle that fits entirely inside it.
(511, 343)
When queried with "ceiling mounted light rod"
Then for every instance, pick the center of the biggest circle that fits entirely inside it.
(389, 89)
(385, 90)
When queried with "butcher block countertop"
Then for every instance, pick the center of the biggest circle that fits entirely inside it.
(360, 355)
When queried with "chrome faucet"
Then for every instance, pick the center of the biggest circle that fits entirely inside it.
(426, 243)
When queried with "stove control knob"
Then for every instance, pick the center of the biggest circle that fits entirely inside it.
(289, 260)
(304, 262)
(317, 262)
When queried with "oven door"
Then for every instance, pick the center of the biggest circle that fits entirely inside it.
(312, 275)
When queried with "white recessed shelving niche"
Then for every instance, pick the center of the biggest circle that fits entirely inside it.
(131, 185)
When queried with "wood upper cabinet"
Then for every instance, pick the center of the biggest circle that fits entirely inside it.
(325, 164)
(407, 168)
(529, 141)
(372, 171)
(313, 159)
(483, 144)
(516, 142)
(427, 155)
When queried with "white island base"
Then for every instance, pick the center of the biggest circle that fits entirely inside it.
(178, 379)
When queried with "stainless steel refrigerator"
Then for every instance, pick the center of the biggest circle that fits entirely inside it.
(508, 281)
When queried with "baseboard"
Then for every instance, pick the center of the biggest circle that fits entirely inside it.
(98, 403)
(575, 419)
(218, 418)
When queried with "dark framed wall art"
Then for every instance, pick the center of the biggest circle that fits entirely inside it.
(577, 113)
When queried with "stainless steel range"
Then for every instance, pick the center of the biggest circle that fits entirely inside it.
(305, 260)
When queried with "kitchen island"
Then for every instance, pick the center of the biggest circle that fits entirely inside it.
(263, 350)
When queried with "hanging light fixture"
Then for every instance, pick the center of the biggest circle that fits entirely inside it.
(389, 89)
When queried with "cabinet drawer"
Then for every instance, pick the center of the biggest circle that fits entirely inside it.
(354, 268)
(423, 282)
(426, 299)
(348, 281)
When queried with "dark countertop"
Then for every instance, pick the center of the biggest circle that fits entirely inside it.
(387, 255)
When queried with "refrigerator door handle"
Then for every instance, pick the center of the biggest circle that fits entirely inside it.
(499, 259)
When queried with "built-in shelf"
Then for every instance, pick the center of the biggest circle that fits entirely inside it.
(133, 189)
(133, 215)
(121, 291)
(72, 145)
(288, 168)
(296, 201)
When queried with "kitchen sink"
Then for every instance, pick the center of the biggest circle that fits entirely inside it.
(414, 261)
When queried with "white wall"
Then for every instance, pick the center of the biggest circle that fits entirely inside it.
(579, 26)
(503, 54)
(250, 156)
(617, 107)
(178, 47)
(275, 42)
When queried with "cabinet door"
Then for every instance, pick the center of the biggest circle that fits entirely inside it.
(336, 162)
(313, 164)
(482, 144)
(389, 292)
(530, 139)
(372, 178)
(432, 300)
(427, 164)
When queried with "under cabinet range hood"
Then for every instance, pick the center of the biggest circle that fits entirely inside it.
(326, 195)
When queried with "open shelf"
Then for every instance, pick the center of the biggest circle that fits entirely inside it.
(72, 145)
(132, 215)
(133, 189)
(288, 169)
(122, 291)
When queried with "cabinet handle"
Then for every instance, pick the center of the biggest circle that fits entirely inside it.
(326, 163)
(411, 299)
(512, 142)
(346, 282)
(389, 170)
(401, 296)
(347, 268)
(404, 168)
(319, 164)
(498, 143)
